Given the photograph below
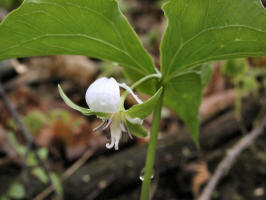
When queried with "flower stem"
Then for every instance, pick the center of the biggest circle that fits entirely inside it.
(151, 76)
(148, 170)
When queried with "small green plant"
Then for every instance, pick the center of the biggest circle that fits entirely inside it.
(244, 79)
(17, 189)
(198, 31)
(35, 120)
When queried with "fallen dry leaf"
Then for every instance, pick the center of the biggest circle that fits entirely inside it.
(78, 69)
(216, 102)
(200, 177)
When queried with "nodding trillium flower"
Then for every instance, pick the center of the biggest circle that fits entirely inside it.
(104, 96)
(104, 101)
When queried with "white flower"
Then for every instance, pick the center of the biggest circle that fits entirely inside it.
(104, 96)
(104, 101)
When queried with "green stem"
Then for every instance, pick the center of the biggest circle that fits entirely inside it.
(151, 76)
(148, 170)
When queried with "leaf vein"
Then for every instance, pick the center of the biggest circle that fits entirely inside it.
(204, 31)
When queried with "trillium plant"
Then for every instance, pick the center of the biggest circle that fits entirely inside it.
(198, 31)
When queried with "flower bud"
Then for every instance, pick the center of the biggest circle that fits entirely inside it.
(103, 95)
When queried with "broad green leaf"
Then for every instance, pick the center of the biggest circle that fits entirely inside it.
(143, 110)
(205, 30)
(136, 129)
(84, 111)
(183, 94)
(94, 28)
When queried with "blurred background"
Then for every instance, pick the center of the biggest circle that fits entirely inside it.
(62, 158)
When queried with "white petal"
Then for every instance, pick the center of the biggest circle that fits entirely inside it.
(115, 134)
(103, 95)
(110, 145)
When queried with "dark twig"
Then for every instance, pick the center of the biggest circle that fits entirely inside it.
(229, 159)
(27, 135)
(11, 109)
(24, 173)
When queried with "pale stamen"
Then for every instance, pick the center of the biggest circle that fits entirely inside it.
(108, 124)
(99, 126)
(130, 135)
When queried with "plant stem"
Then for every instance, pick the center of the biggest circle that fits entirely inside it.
(148, 170)
(151, 76)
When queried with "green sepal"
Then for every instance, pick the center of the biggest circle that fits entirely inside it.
(143, 110)
(84, 111)
(136, 129)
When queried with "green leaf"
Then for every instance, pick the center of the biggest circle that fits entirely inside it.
(35, 120)
(94, 28)
(57, 184)
(205, 30)
(143, 110)
(60, 114)
(183, 94)
(43, 153)
(206, 73)
(40, 174)
(136, 129)
(16, 191)
(84, 111)
(31, 159)
(4, 197)
(15, 144)
(235, 67)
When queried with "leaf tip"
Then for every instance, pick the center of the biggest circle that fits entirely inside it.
(59, 87)
(195, 138)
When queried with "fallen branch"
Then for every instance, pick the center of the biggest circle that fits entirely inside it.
(229, 159)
